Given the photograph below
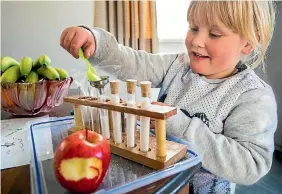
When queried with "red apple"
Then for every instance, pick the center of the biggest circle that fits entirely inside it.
(79, 164)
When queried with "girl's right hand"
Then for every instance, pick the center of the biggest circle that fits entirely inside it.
(73, 38)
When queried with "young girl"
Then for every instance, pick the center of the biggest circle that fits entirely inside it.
(224, 108)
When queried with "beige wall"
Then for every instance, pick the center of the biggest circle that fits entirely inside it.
(33, 28)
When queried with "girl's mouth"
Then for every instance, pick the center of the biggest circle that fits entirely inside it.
(199, 56)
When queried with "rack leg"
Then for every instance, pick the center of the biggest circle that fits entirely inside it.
(161, 138)
(77, 117)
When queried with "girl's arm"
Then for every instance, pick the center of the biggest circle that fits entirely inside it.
(243, 153)
(127, 63)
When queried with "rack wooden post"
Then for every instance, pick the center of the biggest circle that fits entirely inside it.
(162, 152)
(78, 124)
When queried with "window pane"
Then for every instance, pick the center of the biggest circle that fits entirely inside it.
(172, 19)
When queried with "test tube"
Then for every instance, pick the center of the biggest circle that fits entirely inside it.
(145, 121)
(104, 117)
(103, 113)
(131, 119)
(116, 116)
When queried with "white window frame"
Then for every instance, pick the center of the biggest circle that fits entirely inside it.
(172, 22)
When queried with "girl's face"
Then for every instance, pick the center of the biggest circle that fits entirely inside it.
(214, 51)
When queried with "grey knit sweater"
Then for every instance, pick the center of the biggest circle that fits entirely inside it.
(232, 120)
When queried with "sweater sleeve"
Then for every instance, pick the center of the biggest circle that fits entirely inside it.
(243, 153)
(127, 63)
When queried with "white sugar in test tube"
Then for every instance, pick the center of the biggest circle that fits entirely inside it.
(116, 115)
(131, 119)
(104, 117)
(145, 121)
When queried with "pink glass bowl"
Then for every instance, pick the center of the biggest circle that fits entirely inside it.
(31, 99)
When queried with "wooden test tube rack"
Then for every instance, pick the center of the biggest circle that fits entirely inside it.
(162, 153)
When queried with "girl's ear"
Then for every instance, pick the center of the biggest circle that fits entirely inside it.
(248, 49)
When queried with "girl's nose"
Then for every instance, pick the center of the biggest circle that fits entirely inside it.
(198, 40)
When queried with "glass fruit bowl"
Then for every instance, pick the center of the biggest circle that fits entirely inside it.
(33, 98)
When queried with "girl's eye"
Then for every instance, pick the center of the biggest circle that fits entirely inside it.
(194, 29)
(215, 35)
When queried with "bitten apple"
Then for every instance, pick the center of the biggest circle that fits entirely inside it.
(79, 164)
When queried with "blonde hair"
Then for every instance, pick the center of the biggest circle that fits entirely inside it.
(252, 20)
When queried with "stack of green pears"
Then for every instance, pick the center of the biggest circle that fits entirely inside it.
(29, 71)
